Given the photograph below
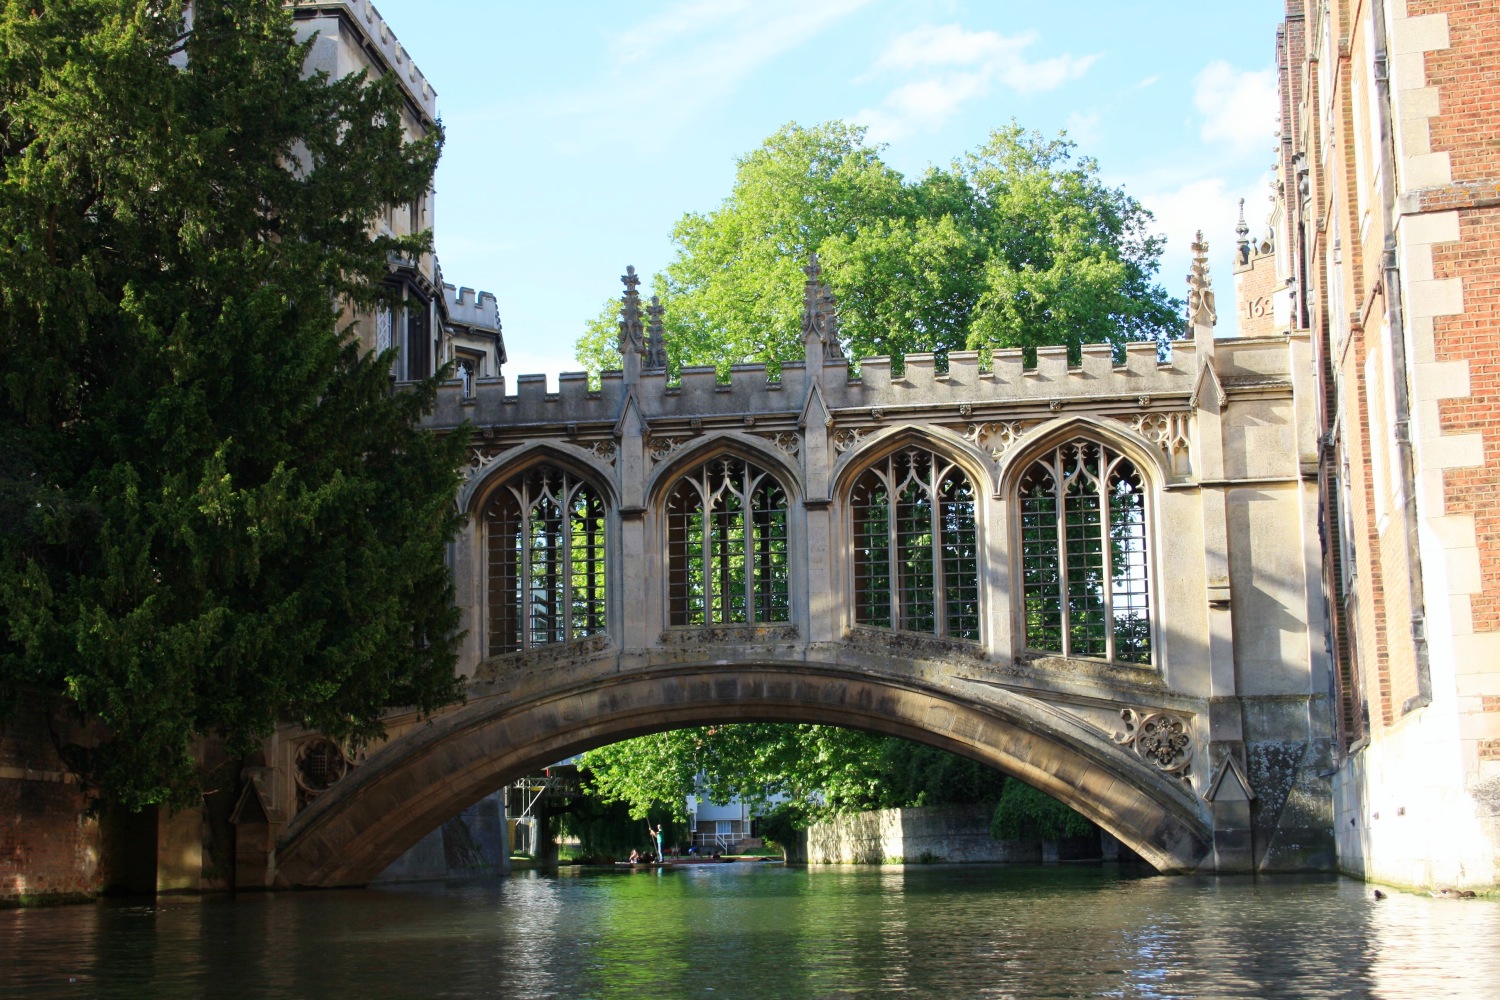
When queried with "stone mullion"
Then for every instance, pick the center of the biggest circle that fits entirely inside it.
(1060, 507)
(939, 592)
(1106, 568)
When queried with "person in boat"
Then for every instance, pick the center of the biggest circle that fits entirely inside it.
(635, 857)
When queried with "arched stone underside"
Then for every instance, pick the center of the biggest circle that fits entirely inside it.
(509, 728)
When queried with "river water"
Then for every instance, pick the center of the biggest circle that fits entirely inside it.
(764, 931)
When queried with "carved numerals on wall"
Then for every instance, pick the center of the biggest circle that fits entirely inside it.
(1163, 740)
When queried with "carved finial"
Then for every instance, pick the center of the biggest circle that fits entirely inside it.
(631, 339)
(830, 311)
(1200, 288)
(1242, 231)
(820, 317)
(656, 338)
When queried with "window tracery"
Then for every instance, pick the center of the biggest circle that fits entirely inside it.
(727, 546)
(546, 547)
(916, 563)
(1084, 567)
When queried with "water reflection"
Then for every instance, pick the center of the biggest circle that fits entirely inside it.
(766, 932)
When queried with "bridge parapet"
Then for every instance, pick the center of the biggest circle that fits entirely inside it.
(755, 391)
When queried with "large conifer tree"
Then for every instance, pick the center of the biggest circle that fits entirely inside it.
(214, 512)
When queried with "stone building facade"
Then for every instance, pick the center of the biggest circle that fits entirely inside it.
(1387, 229)
(433, 323)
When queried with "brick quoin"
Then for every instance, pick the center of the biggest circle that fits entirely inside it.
(1474, 336)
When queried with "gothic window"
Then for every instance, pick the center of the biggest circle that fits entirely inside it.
(916, 563)
(1084, 569)
(546, 560)
(727, 546)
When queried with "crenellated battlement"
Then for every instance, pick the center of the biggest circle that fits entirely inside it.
(753, 392)
(380, 44)
(463, 306)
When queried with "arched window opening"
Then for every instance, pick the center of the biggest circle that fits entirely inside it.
(727, 546)
(546, 560)
(916, 552)
(1084, 572)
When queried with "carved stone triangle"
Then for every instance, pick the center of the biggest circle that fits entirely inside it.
(1229, 783)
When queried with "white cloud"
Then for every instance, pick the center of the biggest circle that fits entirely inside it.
(1239, 107)
(688, 57)
(953, 66)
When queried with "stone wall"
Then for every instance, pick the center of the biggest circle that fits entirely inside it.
(50, 847)
(472, 844)
(895, 836)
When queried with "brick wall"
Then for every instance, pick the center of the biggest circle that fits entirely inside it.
(1469, 86)
(50, 847)
(1474, 335)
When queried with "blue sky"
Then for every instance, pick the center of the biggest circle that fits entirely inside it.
(578, 133)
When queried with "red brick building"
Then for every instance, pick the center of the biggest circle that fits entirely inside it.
(1388, 230)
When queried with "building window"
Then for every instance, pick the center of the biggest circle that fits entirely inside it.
(916, 561)
(418, 341)
(1084, 569)
(382, 329)
(727, 546)
(546, 560)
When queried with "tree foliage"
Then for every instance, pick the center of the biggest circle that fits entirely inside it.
(214, 514)
(608, 831)
(1016, 244)
(818, 768)
(1023, 813)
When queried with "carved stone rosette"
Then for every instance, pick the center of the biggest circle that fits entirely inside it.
(604, 451)
(320, 762)
(1171, 431)
(846, 438)
(1163, 740)
(996, 437)
(786, 441)
(660, 447)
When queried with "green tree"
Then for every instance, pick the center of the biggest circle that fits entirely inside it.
(1017, 244)
(214, 513)
(1023, 813)
(818, 768)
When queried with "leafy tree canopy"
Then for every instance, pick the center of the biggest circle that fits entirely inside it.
(214, 514)
(827, 768)
(1016, 244)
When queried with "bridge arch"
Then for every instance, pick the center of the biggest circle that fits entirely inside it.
(350, 834)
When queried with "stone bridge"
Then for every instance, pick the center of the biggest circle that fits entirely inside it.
(1096, 575)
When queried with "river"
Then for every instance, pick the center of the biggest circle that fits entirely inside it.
(764, 931)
